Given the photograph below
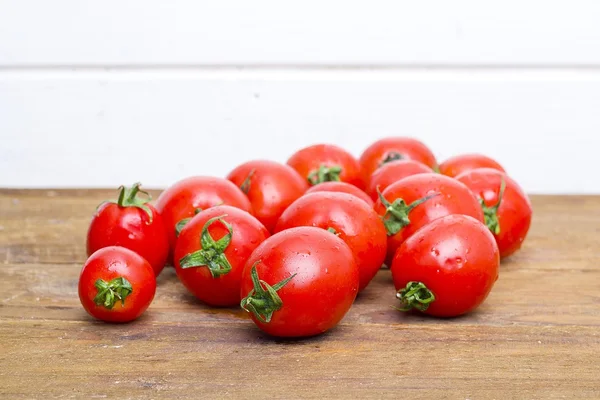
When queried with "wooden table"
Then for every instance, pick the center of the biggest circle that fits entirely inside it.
(537, 335)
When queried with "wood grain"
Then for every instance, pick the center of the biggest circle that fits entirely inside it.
(536, 337)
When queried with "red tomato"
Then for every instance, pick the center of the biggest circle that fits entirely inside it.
(351, 219)
(211, 252)
(270, 186)
(133, 223)
(392, 172)
(326, 163)
(507, 211)
(341, 187)
(116, 284)
(299, 282)
(447, 268)
(465, 162)
(413, 202)
(184, 198)
(395, 148)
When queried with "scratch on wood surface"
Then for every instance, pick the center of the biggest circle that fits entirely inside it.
(14, 296)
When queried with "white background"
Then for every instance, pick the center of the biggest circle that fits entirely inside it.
(102, 93)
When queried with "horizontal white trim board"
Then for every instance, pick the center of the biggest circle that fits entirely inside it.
(310, 32)
(98, 129)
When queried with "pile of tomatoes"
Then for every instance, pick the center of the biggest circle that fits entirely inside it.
(293, 244)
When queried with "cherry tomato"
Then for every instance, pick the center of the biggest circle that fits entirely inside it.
(270, 186)
(465, 162)
(183, 199)
(348, 217)
(299, 282)
(116, 284)
(506, 207)
(414, 201)
(326, 163)
(447, 268)
(131, 222)
(395, 148)
(341, 187)
(392, 172)
(211, 252)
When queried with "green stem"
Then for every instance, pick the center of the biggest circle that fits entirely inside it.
(245, 187)
(183, 222)
(111, 292)
(325, 174)
(128, 197)
(491, 213)
(211, 254)
(396, 213)
(415, 295)
(263, 301)
(391, 156)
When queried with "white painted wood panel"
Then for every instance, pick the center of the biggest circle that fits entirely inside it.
(311, 32)
(96, 128)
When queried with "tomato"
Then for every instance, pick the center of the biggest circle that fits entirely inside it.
(270, 186)
(131, 222)
(447, 268)
(394, 171)
(211, 252)
(413, 202)
(341, 187)
(465, 162)
(299, 282)
(116, 284)
(395, 148)
(325, 163)
(506, 207)
(184, 198)
(348, 217)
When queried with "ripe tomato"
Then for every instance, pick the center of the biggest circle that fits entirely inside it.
(326, 163)
(299, 282)
(413, 202)
(270, 186)
(465, 162)
(506, 207)
(447, 268)
(348, 217)
(341, 187)
(392, 172)
(130, 222)
(395, 148)
(184, 198)
(116, 284)
(211, 252)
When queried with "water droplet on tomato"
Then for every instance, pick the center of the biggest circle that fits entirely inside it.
(435, 251)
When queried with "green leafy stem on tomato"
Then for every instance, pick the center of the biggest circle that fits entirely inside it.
(111, 292)
(396, 213)
(415, 295)
(325, 174)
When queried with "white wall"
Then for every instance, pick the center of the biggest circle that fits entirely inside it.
(155, 91)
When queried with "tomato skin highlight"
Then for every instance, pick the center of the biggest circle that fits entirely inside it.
(457, 259)
(456, 165)
(308, 160)
(341, 187)
(515, 211)
(323, 289)
(452, 197)
(408, 148)
(109, 263)
(248, 233)
(181, 200)
(392, 172)
(271, 188)
(130, 227)
(354, 222)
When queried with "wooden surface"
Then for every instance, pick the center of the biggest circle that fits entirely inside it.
(536, 337)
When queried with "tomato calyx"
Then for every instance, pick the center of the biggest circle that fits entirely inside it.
(245, 186)
(396, 213)
(128, 197)
(263, 301)
(179, 226)
(111, 292)
(491, 213)
(391, 156)
(325, 174)
(415, 295)
(332, 230)
(212, 253)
